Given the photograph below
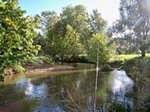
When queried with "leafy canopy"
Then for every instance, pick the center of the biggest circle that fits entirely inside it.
(16, 35)
(68, 36)
(133, 27)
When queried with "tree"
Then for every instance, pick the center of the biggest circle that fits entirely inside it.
(98, 24)
(48, 19)
(67, 35)
(77, 17)
(134, 23)
(98, 46)
(16, 36)
(122, 38)
(63, 42)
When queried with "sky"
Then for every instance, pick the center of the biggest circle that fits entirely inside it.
(107, 8)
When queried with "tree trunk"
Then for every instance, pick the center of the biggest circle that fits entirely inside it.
(62, 59)
(143, 53)
(143, 49)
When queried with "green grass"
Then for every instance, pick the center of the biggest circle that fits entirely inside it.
(126, 57)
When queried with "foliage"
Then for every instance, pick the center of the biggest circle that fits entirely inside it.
(18, 69)
(75, 101)
(117, 107)
(114, 106)
(64, 46)
(66, 36)
(16, 35)
(97, 23)
(97, 46)
(145, 106)
(40, 40)
(40, 60)
(131, 30)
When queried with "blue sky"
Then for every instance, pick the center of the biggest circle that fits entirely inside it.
(36, 6)
(107, 8)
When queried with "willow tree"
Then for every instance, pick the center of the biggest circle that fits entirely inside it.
(16, 36)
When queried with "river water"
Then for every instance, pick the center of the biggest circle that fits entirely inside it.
(69, 91)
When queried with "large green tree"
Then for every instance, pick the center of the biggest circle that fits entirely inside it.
(98, 43)
(70, 34)
(134, 24)
(16, 36)
(48, 20)
(63, 42)
(77, 16)
(66, 33)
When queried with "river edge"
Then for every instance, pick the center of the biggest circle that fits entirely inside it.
(44, 68)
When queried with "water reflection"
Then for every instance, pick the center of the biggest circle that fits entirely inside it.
(121, 82)
(121, 85)
(13, 99)
(39, 92)
(72, 91)
(35, 91)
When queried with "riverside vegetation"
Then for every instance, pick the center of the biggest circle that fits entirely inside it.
(75, 35)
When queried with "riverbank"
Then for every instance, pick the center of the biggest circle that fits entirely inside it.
(43, 68)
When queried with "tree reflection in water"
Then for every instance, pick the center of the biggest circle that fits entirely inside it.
(13, 99)
(66, 92)
(75, 100)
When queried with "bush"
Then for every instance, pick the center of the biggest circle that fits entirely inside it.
(18, 69)
(117, 107)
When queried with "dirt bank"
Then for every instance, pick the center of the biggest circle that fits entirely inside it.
(43, 68)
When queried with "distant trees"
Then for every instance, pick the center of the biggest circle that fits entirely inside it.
(133, 27)
(16, 35)
(72, 33)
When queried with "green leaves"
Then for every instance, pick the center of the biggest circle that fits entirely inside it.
(132, 32)
(17, 33)
(69, 35)
(98, 46)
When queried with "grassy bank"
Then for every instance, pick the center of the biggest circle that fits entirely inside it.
(123, 57)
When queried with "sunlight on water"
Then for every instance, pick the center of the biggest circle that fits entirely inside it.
(39, 91)
(57, 93)
(121, 84)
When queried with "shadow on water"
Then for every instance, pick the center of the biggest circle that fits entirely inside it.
(67, 92)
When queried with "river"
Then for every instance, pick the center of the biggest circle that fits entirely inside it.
(69, 91)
